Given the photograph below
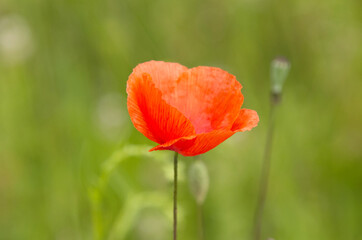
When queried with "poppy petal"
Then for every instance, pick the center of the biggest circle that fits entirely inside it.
(197, 144)
(209, 97)
(151, 115)
(246, 120)
(163, 74)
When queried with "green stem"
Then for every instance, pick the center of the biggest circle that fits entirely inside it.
(200, 222)
(175, 162)
(264, 179)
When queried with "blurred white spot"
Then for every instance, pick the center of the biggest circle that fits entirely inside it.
(16, 43)
(152, 226)
(111, 117)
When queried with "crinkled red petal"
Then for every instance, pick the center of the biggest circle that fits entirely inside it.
(151, 115)
(163, 74)
(201, 143)
(246, 120)
(198, 144)
(209, 97)
(190, 111)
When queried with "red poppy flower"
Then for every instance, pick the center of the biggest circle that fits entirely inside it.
(189, 111)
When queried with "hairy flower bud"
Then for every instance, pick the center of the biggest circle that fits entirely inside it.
(279, 71)
(199, 181)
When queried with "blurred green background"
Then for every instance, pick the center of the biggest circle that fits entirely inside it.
(63, 71)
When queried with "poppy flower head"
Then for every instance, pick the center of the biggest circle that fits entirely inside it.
(189, 111)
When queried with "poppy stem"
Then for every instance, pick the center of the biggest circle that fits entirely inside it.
(200, 221)
(175, 163)
(264, 179)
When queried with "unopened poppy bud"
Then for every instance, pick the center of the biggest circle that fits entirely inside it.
(198, 181)
(279, 71)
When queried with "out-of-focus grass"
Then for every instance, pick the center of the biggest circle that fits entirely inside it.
(63, 72)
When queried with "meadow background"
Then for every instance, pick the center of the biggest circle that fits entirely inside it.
(63, 71)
